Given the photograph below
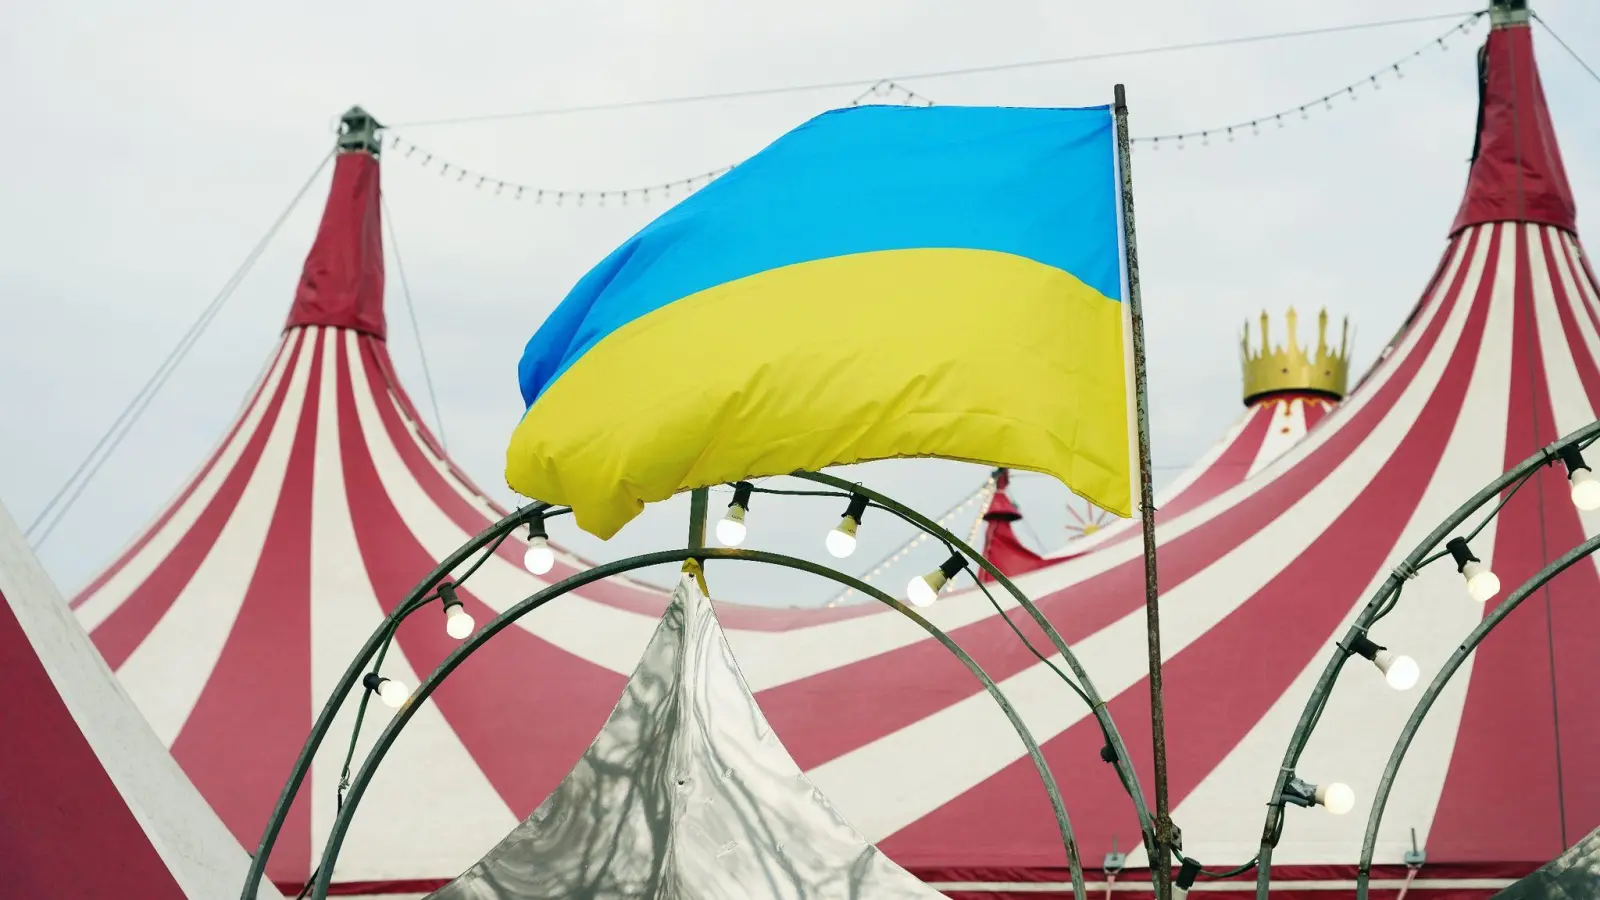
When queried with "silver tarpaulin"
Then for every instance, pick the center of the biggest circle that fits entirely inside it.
(1574, 875)
(686, 794)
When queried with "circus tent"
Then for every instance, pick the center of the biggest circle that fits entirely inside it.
(228, 619)
(91, 804)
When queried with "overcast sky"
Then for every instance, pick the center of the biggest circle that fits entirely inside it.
(148, 151)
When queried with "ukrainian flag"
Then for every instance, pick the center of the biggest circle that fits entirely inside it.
(880, 282)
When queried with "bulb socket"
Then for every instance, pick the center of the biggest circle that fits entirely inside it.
(1460, 552)
(857, 508)
(1364, 646)
(953, 566)
(1108, 754)
(1299, 792)
(741, 495)
(536, 527)
(1573, 458)
(447, 595)
(1187, 873)
(372, 681)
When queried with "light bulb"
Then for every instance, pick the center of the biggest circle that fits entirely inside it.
(1337, 798)
(1585, 490)
(923, 590)
(1399, 670)
(841, 541)
(731, 530)
(539, 559)
(1482, 584)
(458, 622)
(392, 693)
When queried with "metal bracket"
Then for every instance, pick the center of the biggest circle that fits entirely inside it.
(1114, 862)
(1415, 857)
(358, 130)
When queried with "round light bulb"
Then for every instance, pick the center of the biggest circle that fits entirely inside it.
(458, 622)
(923, 590)
(1399, 670)
(539, 559)
(731, 530)
(1482, 584)
(1585, 490)
(393, 693)
(841, 541)
(1337, 798)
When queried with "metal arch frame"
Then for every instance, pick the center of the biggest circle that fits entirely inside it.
(1383, 600)
(1108, 727)
(1446, 672)
(491, 536)
(392, 730)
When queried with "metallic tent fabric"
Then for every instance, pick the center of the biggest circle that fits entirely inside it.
(686, 792)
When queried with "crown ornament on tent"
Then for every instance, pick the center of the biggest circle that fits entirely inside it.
(1289, 368)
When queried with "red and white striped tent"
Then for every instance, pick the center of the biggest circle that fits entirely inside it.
(91, 804)
(230, 617)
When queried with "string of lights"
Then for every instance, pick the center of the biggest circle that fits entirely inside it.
(980, 497)
(550, 196)
(1372, 82)
(889, 91)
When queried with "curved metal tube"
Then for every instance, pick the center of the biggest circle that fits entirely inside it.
(1309, 716)
(1380, 798)
(1130, 778)
(352, 676)
(391, 732)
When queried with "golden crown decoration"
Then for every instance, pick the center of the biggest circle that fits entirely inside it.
(1289, 368)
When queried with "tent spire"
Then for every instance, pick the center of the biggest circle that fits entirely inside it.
(1517, 174)
(342, 283)
(358, 131)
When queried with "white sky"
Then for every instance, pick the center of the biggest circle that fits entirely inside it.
(149, 150)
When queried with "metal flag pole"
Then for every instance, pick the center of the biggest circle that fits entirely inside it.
(699, 505)
(1161, 862)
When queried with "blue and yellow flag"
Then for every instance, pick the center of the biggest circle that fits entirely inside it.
(880, 282)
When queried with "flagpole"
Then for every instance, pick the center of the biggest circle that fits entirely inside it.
(699, 504)
(1161, 863)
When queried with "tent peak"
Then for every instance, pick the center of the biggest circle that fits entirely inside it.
(358, 132)
(1517, 174)
(1504, 13)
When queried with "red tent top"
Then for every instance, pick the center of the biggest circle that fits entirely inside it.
(341, 285)
(1517, 173)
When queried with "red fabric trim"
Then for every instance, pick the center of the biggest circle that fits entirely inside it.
(342, 283)
(1518, 175)
(65, 829)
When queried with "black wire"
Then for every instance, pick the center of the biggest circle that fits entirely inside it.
(1029, 644)
(941, 73)
(1228, 874)
(787, 493)
(416, 330)
(1570, 52)
(131, 413)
